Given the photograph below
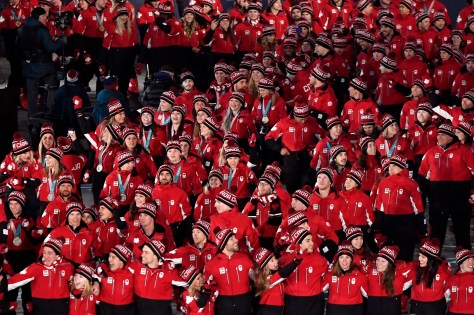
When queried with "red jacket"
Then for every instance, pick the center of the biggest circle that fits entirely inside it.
(267, 213)
(275, 113)
(12, 18)
(75, 164)
(401, 281)
(89, 22)
(372, 172)
(444, 75)
(113, 189)
(155, 145)
(463, 82)
(186, 98)
(455, 114)
(172, 201)
(104, 155)
(428, 40)
(386, 94)
(11, 168)
(231, 274)
(155, 37)
(82, 305)
(306, 280)
(80, 246)
(360, 210)
(241, 178)
(330, 14)
(413, 69)
(112, 39)
(146, 14)
(48, 184)
(205, 204)
(463, 16)
(243, 125)
(207, 149)
(46, 282)
(189, 305)
(331, 208)
(137, 238)
(346, 289)
(323, 100)
(144, 165)
(189, 254)
(459, 290)
(456, 163)
(241, 225)
(223, 104)
(397, 145)
(422, 138)
(116, 287)
(193, 40)
(55, 213)
(399, 195)
(294, 136)
(186, 178)
(220, 43)
(405, 24)
(408, 113)
(108, 235)
(422, 293)
(321, 151)
(354, 110)
(246, 35)
(25, 229)
(279, 21)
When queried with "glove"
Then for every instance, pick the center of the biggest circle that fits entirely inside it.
(139, 68)
(208, 285)
(77, 101)
(87, 59)
(25, 223)
(102, 70)
(87, 176)
(284, 240)
(380, 239)
(31, 182)
(253, 141)
(298, 258)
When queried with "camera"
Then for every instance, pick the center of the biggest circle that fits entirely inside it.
(63, 20)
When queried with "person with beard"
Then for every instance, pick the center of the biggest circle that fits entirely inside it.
(187, 93)
(339, 164)
(154, 279)
(205, 203)
(234, 283)
(122, 182)
(49, 279)
(150, 228)
(20, 238)
(55, 213)
(392, 38)
(80, 246)
(449, 167)
(144, 164)
(172, 201)
(458, 287)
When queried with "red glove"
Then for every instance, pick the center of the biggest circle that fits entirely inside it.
(87, 177)
(284, 240)
(87, 59)
(139, 68)
(77, 101)
(298, 258)
(102, 70)
(208, 285)
(253, 141)
(380, 239)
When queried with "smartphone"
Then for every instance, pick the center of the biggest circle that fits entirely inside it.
(299, 30)
(70, 131)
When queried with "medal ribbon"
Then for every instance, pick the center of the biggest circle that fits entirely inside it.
(101, 154)
(176, 177)
(52, 185)
(265, 109)
(99, 19)
(229, 181)
(392, 148)
(16, 229)
(146, 142)
(123, 186)
(16, 17)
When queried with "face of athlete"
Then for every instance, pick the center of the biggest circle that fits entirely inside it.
(336, 131)
(443, 139)
(131, 142)
(198, 105)
(341, 159)
(50, 161)
(234, 104)
(188, 17)
(264, 188)
(273, 264)
(120, 117)
(48, 141)
(467, 266)
(263, 92)
(307, 244)
(146, 119)
(409, 53)
(74, 219)
(87, 218)
(104, 213)
(25, 156)
(297, 205)
(176, 117)
(83, 5)
(114, 262)
(381, 264)
(456, 39)
(148, 257)
(214, 182)
(65, 190)
(219, 76)
(368, 129)
(200, 117)
(233, 161)
(393, 129)
(423, 260)
(145, 220)
(165, 106)
(350, 184)
(184, 147)
(198, 236)
(371, 148)
(43, 19)
(49, 256)
(394, 169)
(221, 207)
(79, 281)
(466, 103)
(15, 207)
(165, 178)
(345, 262)
(128, 166)
(253, 15)
(241, 85)
(323, 181)
(357, 242)
(423, 116)
(225, 23)
(232, 244)
(173, 155)
(139, 199)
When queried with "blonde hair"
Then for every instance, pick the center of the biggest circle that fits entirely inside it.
(87, 288)
(55, 171)
(261, 279)
(120, 27)
(42, 150)
(190, 28)
(16, 158)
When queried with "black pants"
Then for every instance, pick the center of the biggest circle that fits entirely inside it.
(122, 64)
(153, 307)
(428, 308)
(50, 82)
(401, 230)
(50, 306)
(338, 309)
(92, 46)
(233, 305)
(450, 199)
(300, 305)
(98, 180)
(269, 310)
(295, 169)
(19, 260)
(109, 309)
(378, 305)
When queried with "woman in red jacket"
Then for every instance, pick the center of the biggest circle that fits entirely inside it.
(116, 283)
(208, 143)
(429, 278)
(178, 126)
(191, 301)
(220, 37)
(303, 290)
(144, 164)
(363, 257)
(47, 141)
(82, 301)
(387, 281)
(459, 287)
(368, 163)
(391, 142)
(150, 136)
(346, 284)
(269, 281)
(120, 43)
(191, 38)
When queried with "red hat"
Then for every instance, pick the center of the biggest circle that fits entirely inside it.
(168, 97)
(389, 61)
(356, 176)
(19, 144)
(223, 16)
(333, 121)
(115, 131)
(426, 106)
(200, 98)
(385, 163)
(156, 247)
(92, 211)
(186, 138)
(181, 108)
(227, 198)
(367, 119)
(365, 35)
(46, 128)
(189, 274)
(239, 96)
(389, 253)
(462, 255)
(298, 235)
(216, 173)
(166, 168)
(17, 196)
(324, 41)
(268, 54)
(268, 178)
(301, 108)
(124, 158)
(115, 107)
(379, 47)
(74, 206)
(469, 95)
(254, 6)
(186, 75)
(335, 150)
(465, 128)
(275, 169)
(387, 120)
(409, 4)
(420, 16)
(447, 47)
(268, 30)
(303, 195)
(352, 232)
(362, 4)
(328, 172)
(109, 202)
(237, 76)
(211, 124)
(345, 248)
(148, 208)
(121, 10)
(296, 219)
(203, 226)
(365, 141)
(447, 130)
(339, 42)
(85, 271)
(233, 151)
(221, 66)
(399, 161)
(72, 75)
(66, 178)
(439, 15)
(55, 153)
(290, 41)
(129, 131)
(65, 144)
(173, 144)
(266, 84)
(222, 237)
(133, 85)
(55, 245)
(386, 20)
(262, 257)
(359, 84)
(431, 249)
(424, 83)
(144, 190)
(206, 110)
(321, 73)
(293, 68)
(122, 252)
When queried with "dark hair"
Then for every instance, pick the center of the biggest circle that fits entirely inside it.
(362, 160)
(337, 270)
(37, 12)
(427, 274)
(388, 279)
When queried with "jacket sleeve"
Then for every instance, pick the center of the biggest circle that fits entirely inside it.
(23, 277)
(47, 42)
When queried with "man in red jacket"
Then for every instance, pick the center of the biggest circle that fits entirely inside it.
(449, 167)
(228, 273)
